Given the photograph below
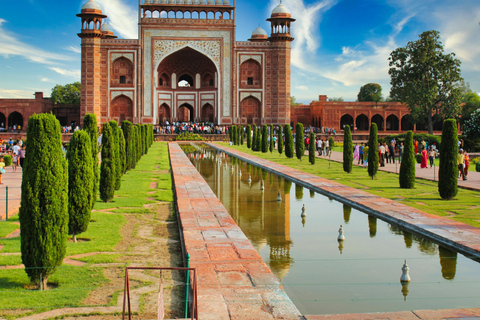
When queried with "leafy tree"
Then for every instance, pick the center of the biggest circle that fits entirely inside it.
(108, 166)
(299, 143)
(280, 140)
(127, 128)
(91, 127)
(471, 127)
(44, 200)
(311, 148)
(448, 171)
(425, 79)
(80, 183)
(289, 144)
(69, 93)
(407, 166)
(347, 149)
(471, 102)
(249, 137)
(373, 151)
(331, 143)
(293, 101)
(271, 138)
(264, 138)
(117, 159)
(370, 92)
(254, 138)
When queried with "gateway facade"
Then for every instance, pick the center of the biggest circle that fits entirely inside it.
(186, 66)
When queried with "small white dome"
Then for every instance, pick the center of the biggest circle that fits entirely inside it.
(259, 32)
(280, 9)
(105, 27)
(91, 5)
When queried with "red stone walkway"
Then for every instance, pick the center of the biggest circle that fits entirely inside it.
(234, 282)
(12, 180)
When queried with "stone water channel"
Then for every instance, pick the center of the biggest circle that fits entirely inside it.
(320, 274)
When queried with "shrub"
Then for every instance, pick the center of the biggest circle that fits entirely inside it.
(91, 127)
(373, 151)
(117, 159)
(271, 138)
(121, 144)
(311, 148)
(418, 157)
(331, 143)
(108, 166)
(264, 138)
(249, 137)
(7, 159)
(44, 199)
(280, 140)
(347, 149)
(80, 181)
(254, 138)
(407, 166)
(288, 142)
(189, 136)
(448, 172)
(127, 128)
(299, 142)
(242, 135)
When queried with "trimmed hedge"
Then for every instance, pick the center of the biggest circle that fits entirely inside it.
(254, 138)
(108, 166)
(311, 148)
(7, 159)
(407, 166)
(299, 142)
(289, 144)
(249, 137)
(448, 171)
(280, 140)
(91, 127)
(271, 138)
(347, 149)
(264, 138)
(373, 151)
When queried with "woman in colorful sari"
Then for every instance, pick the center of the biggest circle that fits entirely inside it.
(423, 164)
(356, 152)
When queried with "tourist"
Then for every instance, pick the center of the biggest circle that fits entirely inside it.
(361, 155)
(319, 147)
(391, 150)
(356, 152)
(21, 156)
(431, 156)
(466, 160)
(14, 161)
(400, 152)
(16, 149)
(423, 162)
(415, 143)
(2, 168)
(461, 164)
(365, 153)
(381, 152)
(327, 148)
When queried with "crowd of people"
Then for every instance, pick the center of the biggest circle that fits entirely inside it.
(15, 149)
(193, 127)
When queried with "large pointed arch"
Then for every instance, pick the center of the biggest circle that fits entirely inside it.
(121, 108)
(251, 110)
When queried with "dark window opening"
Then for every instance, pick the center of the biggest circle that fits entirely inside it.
(250, 81)
(211, 82)
(123, 80)
(161, 82)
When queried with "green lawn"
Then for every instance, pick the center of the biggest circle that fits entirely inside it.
(424, 196)
(73, 284)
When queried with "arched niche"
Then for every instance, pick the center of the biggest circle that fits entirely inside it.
(121, 73)
(121, 108)
(15, 118)
(251, 110)
(378, 120)
(345, 120)
(250, 74)
(362, 122)
(164, 113)
(185, 113)
(392, 123)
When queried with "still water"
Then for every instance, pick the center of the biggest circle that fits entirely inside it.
(320, 274)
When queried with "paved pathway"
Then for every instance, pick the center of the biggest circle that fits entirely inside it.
(473, 182)
(12, 180)
(234, 281)
(456, 235)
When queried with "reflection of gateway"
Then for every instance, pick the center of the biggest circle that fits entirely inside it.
(186, 66)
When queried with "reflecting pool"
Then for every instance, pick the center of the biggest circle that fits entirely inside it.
(320, 274)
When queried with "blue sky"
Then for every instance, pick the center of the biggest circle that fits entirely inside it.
(339, 45)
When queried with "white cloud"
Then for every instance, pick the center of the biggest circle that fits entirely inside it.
(74, 49)
(10, 45)
(15, 94)
(122, 18)
(46, 80)
(302, 88)
(69, 73)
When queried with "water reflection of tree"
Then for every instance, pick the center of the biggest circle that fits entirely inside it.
(347, 211)
(298, 192)
(312, 193)
(448, 262)
(372, 226)
(287, 185)
(424, 245)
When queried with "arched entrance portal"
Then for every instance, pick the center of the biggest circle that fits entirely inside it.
(346, 120)
(378, 119)
(207, 113)
(164, 113)
(392, 123)
(250, 110)
(362, 123)
(185, 113)
(407, 123)
(15, 118)
(3, 121)
(121, 109)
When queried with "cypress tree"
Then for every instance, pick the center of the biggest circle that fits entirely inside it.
(237, 135)
(80, 181)
(289, 144)
(271, 138)
(299, 143)
(123, 153)
(407, 166)
(254, 138)
(373, 151)
(230, 134)
(108, 166)
(234, 135)
(127, 128)
(259, 139)
(242, 135)
(280, 139)
(347, 150)
(249, 136)
(145, 138)
(91, 127)
(142, 139)
(44, 200)
(137, 143)
(448, 171)
(264, 138)
(117, 159)
(311, 148)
